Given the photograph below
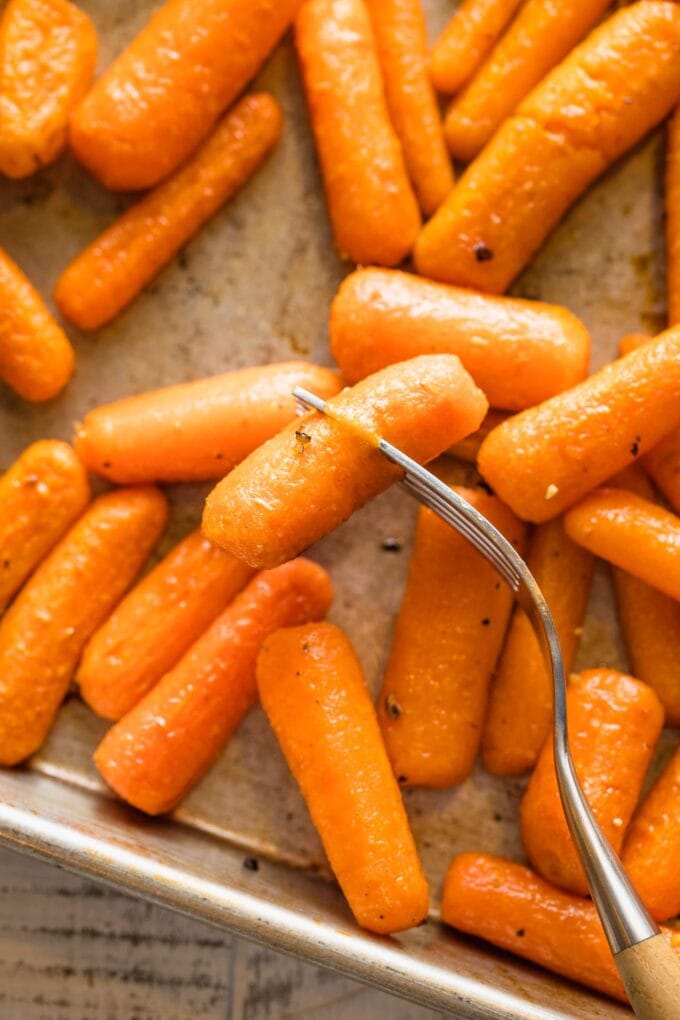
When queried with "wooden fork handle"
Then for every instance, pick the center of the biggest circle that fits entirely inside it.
(650, 971)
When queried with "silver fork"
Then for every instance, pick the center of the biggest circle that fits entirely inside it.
(648, 966)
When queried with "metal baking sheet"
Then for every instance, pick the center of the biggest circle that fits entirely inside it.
(254, 287)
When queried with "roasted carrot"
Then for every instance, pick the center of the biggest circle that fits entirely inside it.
(468, 449)
(401, 41)
(112, 270)
(607, 94)
(41, 495)
(543, 460)
(542, 35)
(467, 40)
(36, 358)
(448, 634)
(632, 533)
(161, 97)
(155, 624)
(318, 470)
(48, 50)
(518, 352)
(631, 342)
(511, 907)
(672, 196)
(315, 696)
(161, 748)
(372, 207)
(195, 430)
(70, 594)
(520, 704)
(614, 724)
(652, 848)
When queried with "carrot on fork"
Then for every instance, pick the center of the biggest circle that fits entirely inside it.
(467, 39)
(111, 271)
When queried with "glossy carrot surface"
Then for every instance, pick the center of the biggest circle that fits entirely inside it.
(467, 40)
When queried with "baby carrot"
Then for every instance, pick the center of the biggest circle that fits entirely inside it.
(156, 623)
(614, 723)
(36, 358)
(161, 97)
(160, 749)
(518, 352)
(196, 430)
(632, 533)
(540, 37)
(631, 342)
(48, 50)
(313, 691)
(520, 703)
(467, 40)
(401, 41)
(607, 94)
(319, 469)
(372, 208)
(672, 189)
(448, 634)
(652, 848)
(467, 449)
(112, 270)
(544, 459)
(70, 594)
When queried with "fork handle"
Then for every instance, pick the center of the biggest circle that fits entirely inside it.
(650, 971)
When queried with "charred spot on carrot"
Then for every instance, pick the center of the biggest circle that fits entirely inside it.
(482, 251)
(392, 706)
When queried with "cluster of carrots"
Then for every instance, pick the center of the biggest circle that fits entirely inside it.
(574, 466)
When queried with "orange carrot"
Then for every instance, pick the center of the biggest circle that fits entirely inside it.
(36, 358)
(195, 430)
(112, 270)
(512, 908)
(631, 342)
(401, 42)
(546, 458)
(314, 693)
(468, 449)
(447, 638)
(318, 470)
(518, 352)
(163, 94)
(672, 188)
(373, 210)
(542, 35)
(632, 533)
(48, 50)
(606, 95)
(160, 749)
(41, 495)
(68, 597)
(156, 623)
(467, 40)
(520, 705)
(652, 848)
(614, 722)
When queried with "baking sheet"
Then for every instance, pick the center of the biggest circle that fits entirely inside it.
(254, 287)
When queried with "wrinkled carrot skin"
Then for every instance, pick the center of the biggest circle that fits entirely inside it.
(467, 40)
(631, 342)
(543, 460)
(197, 430)
(615, 722)
(632, 533)
(41, 495)
(371, 204)
(69, 596)
(162, 96)
(511, 907)
(600, 101)
(520, 710)
(36, 358)
(652, 848)
(161, 748)
(48, 49)
(313, 691)
(401, 41)
(112, 270)
(155, 624)
(542, 35)
(468, 449)
(672, 202)
(448, 634)
(318, 470)
(518, 352)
